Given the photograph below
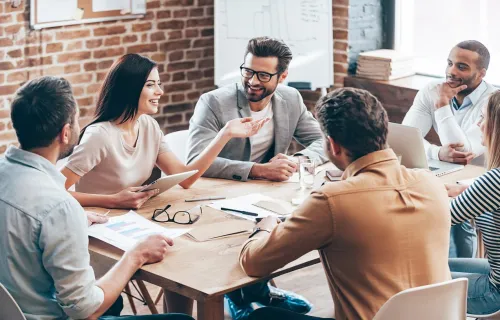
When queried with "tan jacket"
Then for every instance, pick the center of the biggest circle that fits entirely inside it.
(381, 230)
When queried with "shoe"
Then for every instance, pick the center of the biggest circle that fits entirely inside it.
(286, 300)
(238, 312)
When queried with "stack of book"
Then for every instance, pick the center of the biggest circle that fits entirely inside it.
(384, 65)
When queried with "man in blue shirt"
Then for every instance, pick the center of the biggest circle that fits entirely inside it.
(45, 262)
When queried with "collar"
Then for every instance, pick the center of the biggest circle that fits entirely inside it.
(370, 159)
(472, 98)
(30, 159)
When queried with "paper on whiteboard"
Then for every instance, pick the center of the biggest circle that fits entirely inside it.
(124, 231)
(109, 5)
(55, 10)
(138, 6)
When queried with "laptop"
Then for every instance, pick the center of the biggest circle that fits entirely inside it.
(407, 143)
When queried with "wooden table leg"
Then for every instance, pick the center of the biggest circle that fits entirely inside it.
(211, 309)
(147, 297)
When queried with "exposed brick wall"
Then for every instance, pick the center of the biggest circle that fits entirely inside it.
(177, 34)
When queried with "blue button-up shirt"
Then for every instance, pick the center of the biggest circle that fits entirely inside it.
(44, 257)
(471, 99)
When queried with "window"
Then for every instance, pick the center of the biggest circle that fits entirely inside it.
(428, 29)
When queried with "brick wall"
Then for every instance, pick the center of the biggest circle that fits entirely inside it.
(366, 28)
(177, 34)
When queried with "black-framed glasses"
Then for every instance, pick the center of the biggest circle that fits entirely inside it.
(180, 217)
(261, 75)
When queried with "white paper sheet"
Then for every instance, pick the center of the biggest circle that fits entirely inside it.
(245, 203)
(55, 10)
(108, 5)
(139, 6)
(467, 182)
(124, 231)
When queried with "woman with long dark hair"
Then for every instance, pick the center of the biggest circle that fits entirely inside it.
(120, 147)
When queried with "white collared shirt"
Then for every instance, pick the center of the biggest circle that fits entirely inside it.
(262, 140)
(452, 126)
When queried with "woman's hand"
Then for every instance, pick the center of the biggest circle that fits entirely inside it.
(132, 198)
(244, 127)
(454, 189)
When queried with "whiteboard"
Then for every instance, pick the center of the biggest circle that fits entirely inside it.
(304, 25)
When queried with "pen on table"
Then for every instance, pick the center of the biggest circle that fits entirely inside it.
(260, 219)
(240, 211)
(204, 199)
(106, 213)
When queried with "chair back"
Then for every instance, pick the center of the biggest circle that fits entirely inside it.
(440, 301)
(177, 141)
(8, 306)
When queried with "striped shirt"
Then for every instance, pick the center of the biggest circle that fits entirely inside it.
(482, 201)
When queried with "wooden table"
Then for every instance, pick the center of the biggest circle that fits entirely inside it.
(205, 271)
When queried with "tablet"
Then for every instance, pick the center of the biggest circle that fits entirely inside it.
(163, 184)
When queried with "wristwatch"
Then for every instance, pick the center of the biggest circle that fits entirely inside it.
(257, 230)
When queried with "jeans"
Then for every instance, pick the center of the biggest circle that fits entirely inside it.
(482, 296)
(270, 313)
(260, 289)
(463, 241)
(113, 313)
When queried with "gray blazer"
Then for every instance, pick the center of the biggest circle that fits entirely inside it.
(215, 108)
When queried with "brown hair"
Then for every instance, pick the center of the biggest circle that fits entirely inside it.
(355, 119)
(269, 47)
(492, 128)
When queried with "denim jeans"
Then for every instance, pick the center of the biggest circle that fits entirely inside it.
(259, 289)
(463, 241)
(270, 313)
(113, 313)
(482, 296)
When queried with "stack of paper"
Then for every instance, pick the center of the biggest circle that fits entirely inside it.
(384, 65)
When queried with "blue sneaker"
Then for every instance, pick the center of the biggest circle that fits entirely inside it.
(283, 299)
(238, 312)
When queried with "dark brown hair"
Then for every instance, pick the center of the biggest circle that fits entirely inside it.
(355, 119)
(269, 47)
(120, 92)
(40, 109)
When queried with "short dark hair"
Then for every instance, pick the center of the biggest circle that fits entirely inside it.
(355, 119)
(40, 109)
(484, 55)
(270, 47)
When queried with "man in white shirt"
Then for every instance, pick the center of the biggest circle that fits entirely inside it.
(453, 109)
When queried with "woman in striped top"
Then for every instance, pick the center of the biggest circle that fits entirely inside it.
(481, 201)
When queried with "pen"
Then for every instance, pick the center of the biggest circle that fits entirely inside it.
(106, 213)
(260, 219)
(240, 211)
(203, 199)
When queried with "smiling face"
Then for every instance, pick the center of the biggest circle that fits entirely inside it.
(463, 69)
(255, 89)
(151, 93)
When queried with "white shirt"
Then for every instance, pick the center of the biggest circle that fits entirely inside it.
(452, 126)
(263, 140)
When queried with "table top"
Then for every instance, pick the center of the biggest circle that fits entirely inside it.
(201, 270)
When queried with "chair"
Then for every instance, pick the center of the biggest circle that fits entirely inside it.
(491, 316)
(440, 301)
(177, 141)
(8, 306)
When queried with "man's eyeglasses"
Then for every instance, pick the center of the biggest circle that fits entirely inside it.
(180, 217)
(261, 75)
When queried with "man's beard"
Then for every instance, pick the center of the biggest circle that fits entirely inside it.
(467, 81)
(68, 150)
(252, 97)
